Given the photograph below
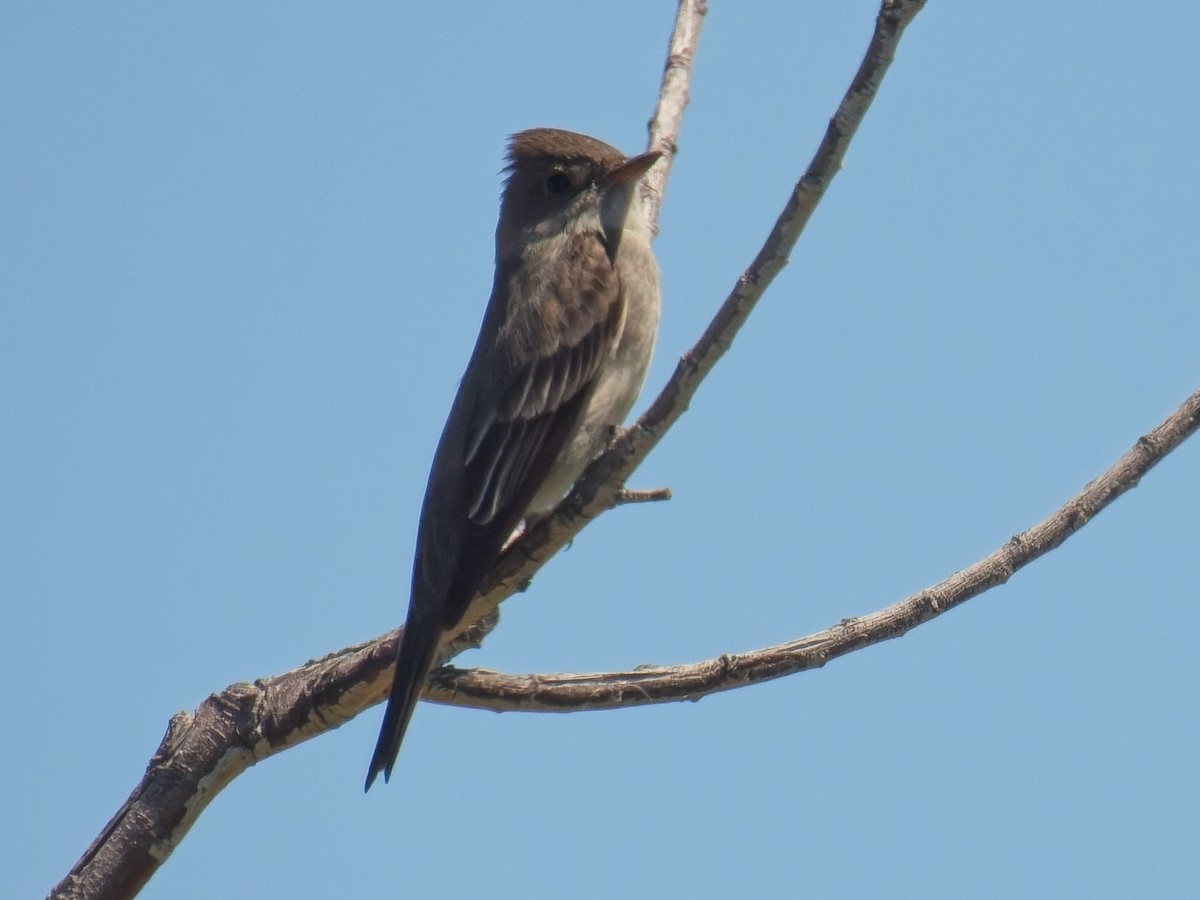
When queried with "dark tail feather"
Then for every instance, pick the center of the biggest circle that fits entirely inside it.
(418, 646)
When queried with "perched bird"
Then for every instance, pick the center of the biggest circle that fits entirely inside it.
(561, 355)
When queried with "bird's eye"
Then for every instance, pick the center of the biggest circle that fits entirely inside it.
(557, 182)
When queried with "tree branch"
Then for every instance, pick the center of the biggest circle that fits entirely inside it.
(600, 485)
(230, 731)
(672, 100)
(483, 689)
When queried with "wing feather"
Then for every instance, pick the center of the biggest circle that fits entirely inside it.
(568, 326)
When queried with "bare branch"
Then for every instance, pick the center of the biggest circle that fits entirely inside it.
(596, 490)
(672, 100)
(484, 689)
(230, 731)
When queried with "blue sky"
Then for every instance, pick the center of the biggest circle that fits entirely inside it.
(244, 254)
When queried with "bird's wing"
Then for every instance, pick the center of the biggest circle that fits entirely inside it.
(552, 345)
(530, 375)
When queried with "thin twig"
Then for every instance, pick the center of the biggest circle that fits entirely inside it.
(672, 100)
(647, 495)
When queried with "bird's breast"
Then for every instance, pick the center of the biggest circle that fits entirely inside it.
(619, 380)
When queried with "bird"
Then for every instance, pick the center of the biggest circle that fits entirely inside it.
(562, 352)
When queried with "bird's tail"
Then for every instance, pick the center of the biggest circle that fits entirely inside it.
(418, 645)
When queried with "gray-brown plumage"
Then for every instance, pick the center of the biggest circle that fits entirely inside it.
(561, 355)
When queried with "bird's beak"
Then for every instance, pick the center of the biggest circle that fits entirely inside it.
(630, 170)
